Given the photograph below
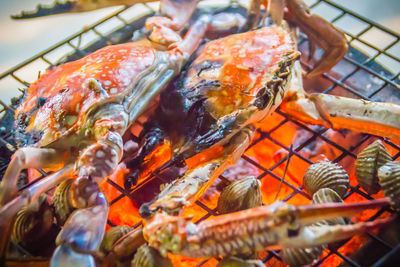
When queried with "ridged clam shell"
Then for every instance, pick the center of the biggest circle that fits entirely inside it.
(33, 221)
(327, 195)
(147, 256)
(238, 262)
(389, 179)
(62, 201)
(326, 174)
(301, 256)
(112, 235)
(305, 256)
(240, 195)
(367, 164)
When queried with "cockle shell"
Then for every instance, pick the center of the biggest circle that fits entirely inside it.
(33, 222)
(326, 174)
(327, 195)
(389, 179)
(305, 256)
(62, 201)
(301, 256)
(112, 235)
(238, 262)
(367, 164)
(147, 256)
(240, 195)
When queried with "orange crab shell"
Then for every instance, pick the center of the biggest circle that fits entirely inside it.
(68, 94)
(243, 65)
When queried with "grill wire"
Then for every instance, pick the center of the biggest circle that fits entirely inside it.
(129, 22)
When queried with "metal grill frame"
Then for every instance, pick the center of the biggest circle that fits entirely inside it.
(386, 79)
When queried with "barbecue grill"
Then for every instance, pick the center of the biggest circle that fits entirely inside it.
(359, 75)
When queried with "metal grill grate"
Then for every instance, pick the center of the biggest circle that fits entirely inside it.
(119, 26)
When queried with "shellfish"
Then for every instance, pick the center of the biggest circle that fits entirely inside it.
(326, 174)
(240, 195)
(389, 179)
(367, 164)
(33, 223)
(147, 256)
(112, 235)
(61, 201)
(304, 256)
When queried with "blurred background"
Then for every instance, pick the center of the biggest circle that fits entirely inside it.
(22, 39)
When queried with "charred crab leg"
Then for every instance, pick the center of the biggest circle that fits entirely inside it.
(195, 182)
(337, 112)
(277, 225)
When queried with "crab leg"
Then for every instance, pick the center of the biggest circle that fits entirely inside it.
(330, 39)
(27, 157)
(192, 185)
(276, 225)
(376, 118)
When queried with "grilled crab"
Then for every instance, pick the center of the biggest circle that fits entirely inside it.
(209, 114)
(206, 121)
(72, 119)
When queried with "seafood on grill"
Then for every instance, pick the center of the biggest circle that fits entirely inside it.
(73, 118)
(326, 174)
(389, 180)
(305, 256)
(205, 120)
(368, 162)
(241, 194)
(147, 256)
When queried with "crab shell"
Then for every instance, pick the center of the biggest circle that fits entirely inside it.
(235, 81)
(58, 103)
(243, 65)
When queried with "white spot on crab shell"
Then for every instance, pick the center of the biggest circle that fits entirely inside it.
(110, 71)
(103, 75)
(123, 50)
(113, 90)
(107, 82)
(99, 61)
(106, 67)
(100, 154)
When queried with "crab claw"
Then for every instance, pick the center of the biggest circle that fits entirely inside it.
(275, 226)
(84, 230)
(64, 255)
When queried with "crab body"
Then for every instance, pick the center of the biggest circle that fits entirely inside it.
(64, 102)
(235, 81)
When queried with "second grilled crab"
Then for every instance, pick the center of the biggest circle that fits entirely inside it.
(206, 120)
(209, 112)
